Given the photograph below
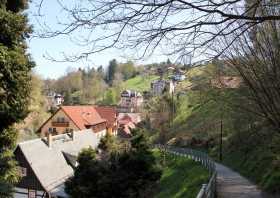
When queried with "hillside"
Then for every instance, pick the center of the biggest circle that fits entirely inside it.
(139, 83)
(201, 110)
(182, 177)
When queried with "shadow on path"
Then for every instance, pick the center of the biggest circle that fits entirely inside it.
(231, 184)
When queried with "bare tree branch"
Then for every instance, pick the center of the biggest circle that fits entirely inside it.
(144, 25)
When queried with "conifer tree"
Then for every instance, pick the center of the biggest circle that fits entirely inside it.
(15, 81)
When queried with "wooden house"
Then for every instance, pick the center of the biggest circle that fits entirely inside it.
(74, 118)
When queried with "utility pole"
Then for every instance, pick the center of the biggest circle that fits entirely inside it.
(173, 108)
(222, 110)
(221, 139)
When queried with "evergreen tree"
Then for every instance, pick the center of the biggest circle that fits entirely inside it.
(15, 81)
(112, 69)
(101, 72)
(168, 62)
(107, 143)
(130, 174)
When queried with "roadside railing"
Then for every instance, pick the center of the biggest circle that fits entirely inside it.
(207, 190)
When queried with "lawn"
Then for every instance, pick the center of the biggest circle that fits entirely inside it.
(182, 177)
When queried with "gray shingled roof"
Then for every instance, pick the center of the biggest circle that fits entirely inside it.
(49, 163)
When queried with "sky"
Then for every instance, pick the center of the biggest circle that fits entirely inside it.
(40, 48)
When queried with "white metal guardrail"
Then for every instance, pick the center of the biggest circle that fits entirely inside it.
(207, 190)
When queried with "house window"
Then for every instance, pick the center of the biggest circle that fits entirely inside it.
(54, 131)
(60, 119)
(22, 171)
(31, 193)
(50, 130)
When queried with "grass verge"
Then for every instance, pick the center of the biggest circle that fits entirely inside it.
(182, 177)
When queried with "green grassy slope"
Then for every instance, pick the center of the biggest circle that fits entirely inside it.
(250, 146)
(181, 178)
(255, 158)
(139, 83)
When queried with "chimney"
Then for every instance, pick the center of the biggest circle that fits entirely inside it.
(72, 134)
(49, 140)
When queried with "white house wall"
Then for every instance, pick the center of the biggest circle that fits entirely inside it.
(23, 193)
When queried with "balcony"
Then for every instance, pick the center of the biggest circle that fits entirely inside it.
(60, 124)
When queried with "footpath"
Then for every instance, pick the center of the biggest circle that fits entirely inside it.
(231, 184)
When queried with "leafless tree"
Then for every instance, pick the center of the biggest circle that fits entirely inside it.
(255, 55)
(181, 27)
(245, 33)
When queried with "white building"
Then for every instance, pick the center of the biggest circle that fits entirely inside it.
(54, 100)
(131, 101)
(160, 86)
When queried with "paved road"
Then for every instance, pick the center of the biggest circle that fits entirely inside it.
(231, 184)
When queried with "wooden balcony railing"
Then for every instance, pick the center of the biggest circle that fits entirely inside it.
(60, 124)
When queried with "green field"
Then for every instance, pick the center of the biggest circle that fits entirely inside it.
(182, 177)
(139, 83)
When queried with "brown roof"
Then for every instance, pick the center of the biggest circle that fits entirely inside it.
(108, 113)
(83, 116)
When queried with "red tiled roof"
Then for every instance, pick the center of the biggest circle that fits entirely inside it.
(108, 113)
(83, 116)
(132, 117)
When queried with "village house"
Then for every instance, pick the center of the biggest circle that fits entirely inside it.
(127, 122)
(46, 163)
(179, 75)
(74, 118)
(110, 115)
(131, 101)
(54, 100)
(158, 87)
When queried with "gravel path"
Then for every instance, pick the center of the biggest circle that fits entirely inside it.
(231, 184)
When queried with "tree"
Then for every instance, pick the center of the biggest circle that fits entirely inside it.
(110, 97)
(37, 110)
(128, 174)
(15, 67)
(127, 69)
(101, 72)
(168, 62)
(96, 87)
(86, 179)
(137, 171)
(210, 28)
(255, 56)
(108, 144)
(112, 69)
(180, 25)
